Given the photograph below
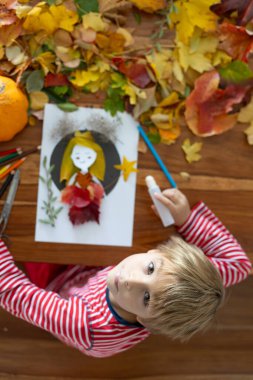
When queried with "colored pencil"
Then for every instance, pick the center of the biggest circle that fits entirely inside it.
(156, 156)
(9, 156)
(12, 167)
(24, 154)
(6, 183)
(2, 170)
(6, 152)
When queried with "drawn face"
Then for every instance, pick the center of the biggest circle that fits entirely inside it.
(83, 157)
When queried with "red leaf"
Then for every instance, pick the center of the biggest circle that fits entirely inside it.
(97, 192)
(207, 107)
(7, 14)
(75, 196)
(244, 9)
(236, 41)
(85, 214)
(55, 80)
(136, 72)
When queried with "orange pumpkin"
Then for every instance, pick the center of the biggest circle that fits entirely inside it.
(13, 109)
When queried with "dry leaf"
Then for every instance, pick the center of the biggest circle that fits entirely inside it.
(185, 176)
(249, 133)
(150, 6)
(38, 100)
(192, 151)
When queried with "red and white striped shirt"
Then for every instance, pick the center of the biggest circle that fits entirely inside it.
(76, 307)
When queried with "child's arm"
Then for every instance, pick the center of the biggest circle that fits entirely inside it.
(68, 319)
(201, 227)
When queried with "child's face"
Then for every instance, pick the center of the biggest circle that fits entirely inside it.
(134, 281)
(83, 157)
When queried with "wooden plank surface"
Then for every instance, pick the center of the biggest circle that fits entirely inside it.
(223, 179)
(223, 353)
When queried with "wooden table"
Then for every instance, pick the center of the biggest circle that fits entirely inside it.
(223, 179)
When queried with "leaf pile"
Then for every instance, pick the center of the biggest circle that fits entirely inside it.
(58, 50)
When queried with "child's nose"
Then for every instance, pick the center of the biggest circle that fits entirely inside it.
(133, 281)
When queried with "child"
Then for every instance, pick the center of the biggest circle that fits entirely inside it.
(174, 289)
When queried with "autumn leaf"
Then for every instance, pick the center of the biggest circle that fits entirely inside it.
(50, 18)
(236, 41)
(236, 72)
(9, 33)
(127, 167)
(52, 80)
(208, 107)
(149, 6)
(246, 113)
(38, 100)
(136, 72)
(243, 8)
(249, 133)
(46, 61)
(186, 16)
(198, 55)
(114, 9)
(192, 151)
(94, 21)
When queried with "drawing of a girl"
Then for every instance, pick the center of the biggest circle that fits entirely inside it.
(83, 166)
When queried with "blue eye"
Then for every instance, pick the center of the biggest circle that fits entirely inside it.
(146, 298)
(151, 267)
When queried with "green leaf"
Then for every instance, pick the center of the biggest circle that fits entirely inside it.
(35, 81)
(236, 72)
(137, 17)
(115, 100)
(86, 6)
(155, 138)
(42, 179)
(60, 90)
(67, 107)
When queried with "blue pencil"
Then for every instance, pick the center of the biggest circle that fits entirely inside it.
(157, 157)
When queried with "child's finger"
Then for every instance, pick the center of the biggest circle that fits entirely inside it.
(172, 194)
(165, 200)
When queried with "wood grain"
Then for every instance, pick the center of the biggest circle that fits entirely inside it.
(224, 180)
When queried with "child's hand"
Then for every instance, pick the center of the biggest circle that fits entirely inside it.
(177, 203)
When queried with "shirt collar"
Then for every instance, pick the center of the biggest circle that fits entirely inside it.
(117, 316)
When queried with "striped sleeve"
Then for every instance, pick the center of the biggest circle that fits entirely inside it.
(67, 319)
(205, 230)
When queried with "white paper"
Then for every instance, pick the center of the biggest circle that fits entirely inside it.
(117, 208)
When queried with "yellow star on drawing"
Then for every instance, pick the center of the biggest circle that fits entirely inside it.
(126, 167)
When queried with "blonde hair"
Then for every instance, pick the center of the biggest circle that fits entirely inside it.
(190, 292)
(83, 139)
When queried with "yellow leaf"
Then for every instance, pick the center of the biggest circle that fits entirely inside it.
(169, 136)
(189, 14)
(82, 77)
(42, 17)
(38, 100)
(195, 60)
(129, 40)
(161, 63)
(150, 6)
(249, 133)
(170, 100)
(246, 113)
(46, 60)
(94, 21)
(134, 93)
(192, 151)
(127, 167)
